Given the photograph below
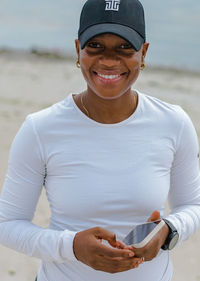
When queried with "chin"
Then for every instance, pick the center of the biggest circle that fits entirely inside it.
(109, 96)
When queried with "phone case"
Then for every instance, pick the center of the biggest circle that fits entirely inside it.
(128, 239)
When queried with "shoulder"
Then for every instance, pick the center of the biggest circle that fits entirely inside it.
(52, 115)
(166, 119)
(163, 110)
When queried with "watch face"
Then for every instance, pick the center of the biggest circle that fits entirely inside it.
(173, 241)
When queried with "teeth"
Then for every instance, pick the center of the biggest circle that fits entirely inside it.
(108, 76)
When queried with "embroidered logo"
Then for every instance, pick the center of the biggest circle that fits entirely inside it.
(112, 5)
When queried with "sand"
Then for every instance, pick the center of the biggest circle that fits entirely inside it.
(29, 83)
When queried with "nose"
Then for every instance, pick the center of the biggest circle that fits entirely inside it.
(109, 60)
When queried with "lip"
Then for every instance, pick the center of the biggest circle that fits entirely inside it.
(109, 72)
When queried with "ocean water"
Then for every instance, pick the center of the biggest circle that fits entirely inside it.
(173, 28)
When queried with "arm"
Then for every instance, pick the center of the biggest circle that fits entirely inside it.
(21, 191)
(184, 194)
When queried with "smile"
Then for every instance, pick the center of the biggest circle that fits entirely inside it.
(109, 78)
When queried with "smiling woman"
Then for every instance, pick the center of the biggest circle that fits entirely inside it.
(110, 65)
(111, 56)
(110, 59)
(109, 157)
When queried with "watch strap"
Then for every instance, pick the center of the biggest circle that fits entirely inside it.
(172, 232)
(170, 225)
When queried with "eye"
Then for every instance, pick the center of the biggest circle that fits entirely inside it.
(94, 45)
(126, 46)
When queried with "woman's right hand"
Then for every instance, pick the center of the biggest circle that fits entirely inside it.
(88, 248)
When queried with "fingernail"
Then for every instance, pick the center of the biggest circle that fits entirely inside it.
(131, 254)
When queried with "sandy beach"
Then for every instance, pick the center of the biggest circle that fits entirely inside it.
(30, 83)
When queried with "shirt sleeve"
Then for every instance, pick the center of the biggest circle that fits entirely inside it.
(21, 190)
(184, 194)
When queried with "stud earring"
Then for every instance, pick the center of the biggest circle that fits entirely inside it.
(143, 65)
(78, 64)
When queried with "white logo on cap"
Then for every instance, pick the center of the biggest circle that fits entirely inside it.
(112, 5)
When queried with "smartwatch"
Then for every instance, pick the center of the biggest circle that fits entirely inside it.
(172, 237)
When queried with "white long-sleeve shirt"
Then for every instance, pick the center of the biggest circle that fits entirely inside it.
(107, 175)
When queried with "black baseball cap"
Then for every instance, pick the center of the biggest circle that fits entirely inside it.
(124, 18)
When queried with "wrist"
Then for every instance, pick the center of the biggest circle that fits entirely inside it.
(75, 245)
(172, 237)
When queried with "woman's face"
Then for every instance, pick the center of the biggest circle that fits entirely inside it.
(110, 65)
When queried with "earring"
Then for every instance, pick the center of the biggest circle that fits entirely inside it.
(78, 64)
(143, 65)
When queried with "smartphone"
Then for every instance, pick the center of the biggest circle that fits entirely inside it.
(141, 234)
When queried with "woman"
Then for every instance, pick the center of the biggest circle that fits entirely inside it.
(108, 158)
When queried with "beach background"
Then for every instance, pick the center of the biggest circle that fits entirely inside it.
(37, 69)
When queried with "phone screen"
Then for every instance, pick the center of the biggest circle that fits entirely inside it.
(139, 232)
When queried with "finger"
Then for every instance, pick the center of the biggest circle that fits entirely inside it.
(154, 216)
(121, 245)
(106, 251)
(118, 265)
(102, 233)
(124, 260)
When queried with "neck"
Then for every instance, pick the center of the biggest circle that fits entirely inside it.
(108, 111)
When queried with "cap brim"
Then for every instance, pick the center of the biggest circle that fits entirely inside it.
(127, 33)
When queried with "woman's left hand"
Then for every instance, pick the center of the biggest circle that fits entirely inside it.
(151, 249)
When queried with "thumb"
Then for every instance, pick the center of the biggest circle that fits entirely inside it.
(101, 233)
(154, 216)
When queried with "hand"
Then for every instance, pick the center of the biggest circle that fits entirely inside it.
(150, 251)
(88, 248)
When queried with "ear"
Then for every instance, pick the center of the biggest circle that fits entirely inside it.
(78, 47)
(145, 49)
